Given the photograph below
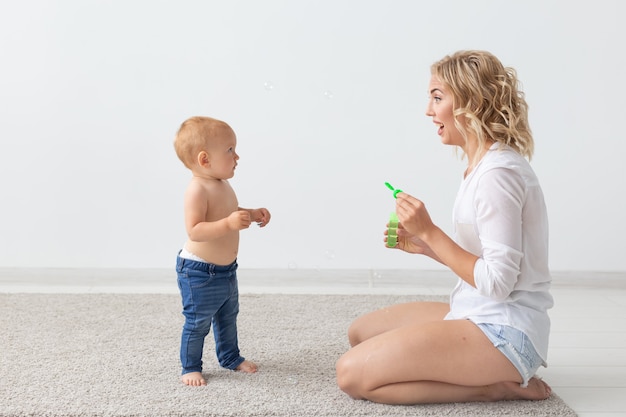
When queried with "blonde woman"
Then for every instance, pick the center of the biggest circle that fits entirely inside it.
(487, 343)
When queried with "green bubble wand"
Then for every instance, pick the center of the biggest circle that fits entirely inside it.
(395, 191)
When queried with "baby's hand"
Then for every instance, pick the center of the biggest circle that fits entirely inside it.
(261, 216)
(238, 220)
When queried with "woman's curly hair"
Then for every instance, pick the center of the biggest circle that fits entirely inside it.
(487, 100)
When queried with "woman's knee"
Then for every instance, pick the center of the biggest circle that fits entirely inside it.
(357, 332)
(346, 371)
(354, 335)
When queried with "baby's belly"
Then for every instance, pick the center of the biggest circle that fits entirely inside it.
(219, 252)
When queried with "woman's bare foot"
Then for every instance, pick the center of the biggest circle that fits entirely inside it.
(247, 366)
(536, 390)
(194, 379)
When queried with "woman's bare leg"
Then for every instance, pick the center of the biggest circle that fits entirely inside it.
(435, 361)
(393, 317)
(441, 392)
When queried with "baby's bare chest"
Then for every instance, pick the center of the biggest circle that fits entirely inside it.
(221, 204)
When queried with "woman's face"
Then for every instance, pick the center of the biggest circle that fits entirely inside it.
(441, 110)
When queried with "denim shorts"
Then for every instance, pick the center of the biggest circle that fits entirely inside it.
(516, 346)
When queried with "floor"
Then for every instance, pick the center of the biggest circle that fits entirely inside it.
(587, 356)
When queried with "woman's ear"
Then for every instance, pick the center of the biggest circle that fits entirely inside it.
(203, 159)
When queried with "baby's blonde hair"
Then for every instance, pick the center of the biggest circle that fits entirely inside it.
(486, 94)
(194, 135)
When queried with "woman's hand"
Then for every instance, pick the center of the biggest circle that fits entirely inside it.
(414, 224)
(408, 243)
(413, 215)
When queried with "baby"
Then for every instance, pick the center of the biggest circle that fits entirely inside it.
(207, 264)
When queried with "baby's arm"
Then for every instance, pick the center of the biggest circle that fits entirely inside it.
(201, 230)
(261, 215)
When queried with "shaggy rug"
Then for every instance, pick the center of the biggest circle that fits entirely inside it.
(117, 355)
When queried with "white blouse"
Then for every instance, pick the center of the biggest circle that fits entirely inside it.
(500, 216)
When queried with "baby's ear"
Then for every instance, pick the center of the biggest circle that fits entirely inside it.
(203, 159)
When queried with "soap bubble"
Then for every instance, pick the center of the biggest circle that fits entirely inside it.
(269, 86)
(328, 94)
(292, 266)
(374, 278)
(330, 254)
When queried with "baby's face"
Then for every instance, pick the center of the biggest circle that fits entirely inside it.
(223, 156)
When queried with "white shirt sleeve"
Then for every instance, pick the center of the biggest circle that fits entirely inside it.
(499, 201)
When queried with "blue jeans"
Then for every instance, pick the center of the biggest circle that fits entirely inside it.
(210, 296)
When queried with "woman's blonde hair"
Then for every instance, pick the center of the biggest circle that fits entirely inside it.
(194, 135)
(487, 98)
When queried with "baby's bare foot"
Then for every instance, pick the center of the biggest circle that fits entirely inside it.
(536, 390)
(248, 367)
(194, 379)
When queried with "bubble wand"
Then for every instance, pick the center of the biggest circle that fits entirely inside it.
(395, 191)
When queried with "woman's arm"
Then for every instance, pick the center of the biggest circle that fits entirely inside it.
(415, 219)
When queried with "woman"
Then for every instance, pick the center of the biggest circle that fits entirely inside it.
(488, 342)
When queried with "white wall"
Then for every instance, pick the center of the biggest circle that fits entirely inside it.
(327, 98)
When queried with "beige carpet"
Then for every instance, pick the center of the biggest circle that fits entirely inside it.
(117, 355)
